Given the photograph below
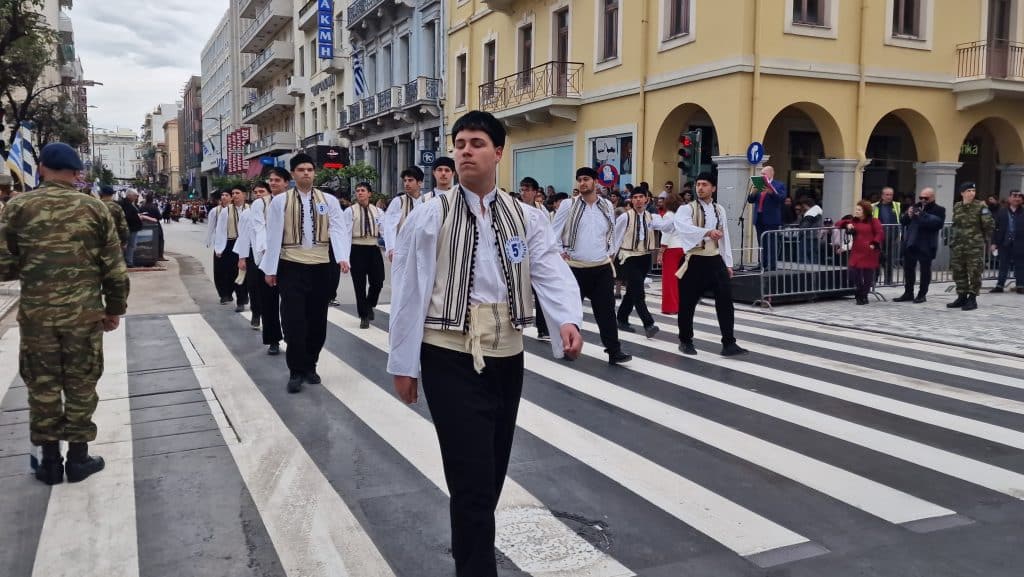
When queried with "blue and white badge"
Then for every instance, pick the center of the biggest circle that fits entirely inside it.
(515, 249)
(321, 208)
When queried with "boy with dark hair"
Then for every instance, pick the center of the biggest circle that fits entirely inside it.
(402, 205)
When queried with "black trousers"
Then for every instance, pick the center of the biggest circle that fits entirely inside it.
(770, 249)
(335, 276)
(542, 323)
(367, 267)
(598, 285)
(475, 419)
(706, 273)
(635, 271)
(913, 257)
(270, 311)
(225, 270)
(305, 292)
(254, 277)
(1007, 258)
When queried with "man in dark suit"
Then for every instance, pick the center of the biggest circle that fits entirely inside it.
(921, 225)
(768, 215)
(1009, 241)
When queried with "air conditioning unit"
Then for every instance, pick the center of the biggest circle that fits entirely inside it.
(295, 86)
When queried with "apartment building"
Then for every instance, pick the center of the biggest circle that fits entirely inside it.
(152, 150)
(115, 149)
(172, 157)
(190, 135)
(845, 97)
(222, 93)
(268, 37)
(395, 112)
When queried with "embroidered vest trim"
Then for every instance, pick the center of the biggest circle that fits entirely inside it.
(293, 211)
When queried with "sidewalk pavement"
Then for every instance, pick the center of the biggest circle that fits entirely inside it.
(9, 292)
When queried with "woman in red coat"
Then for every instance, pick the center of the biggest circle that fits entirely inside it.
(866, 233)
(670, 257)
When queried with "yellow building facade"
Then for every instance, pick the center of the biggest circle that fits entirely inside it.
(845, 96)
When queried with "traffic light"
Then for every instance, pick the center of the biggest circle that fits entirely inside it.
(689, 153)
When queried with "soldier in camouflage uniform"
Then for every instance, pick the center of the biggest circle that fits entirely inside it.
(116, 212)
(63, 246)
(972, 225)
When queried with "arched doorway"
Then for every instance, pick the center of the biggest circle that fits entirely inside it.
(898, 141)
(990, 143)
(683, 118)
(798, 137)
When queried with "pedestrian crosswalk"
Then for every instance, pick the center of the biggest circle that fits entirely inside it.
(818, 450)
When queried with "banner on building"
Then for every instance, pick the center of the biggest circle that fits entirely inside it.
(237, 139)
(325, 29)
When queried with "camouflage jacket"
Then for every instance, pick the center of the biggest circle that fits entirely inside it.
(120, 222)
(972, 224)
(63, 246)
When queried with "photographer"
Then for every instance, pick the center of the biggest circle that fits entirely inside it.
(921, 225)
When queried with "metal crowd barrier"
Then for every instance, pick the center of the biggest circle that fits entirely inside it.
(807, 263)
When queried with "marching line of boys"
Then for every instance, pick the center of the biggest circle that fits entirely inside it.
(470, 265)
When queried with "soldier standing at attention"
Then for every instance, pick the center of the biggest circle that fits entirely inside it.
(63, 246)
(972, 225)
(117, 213)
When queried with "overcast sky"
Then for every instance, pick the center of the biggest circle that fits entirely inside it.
(143, 51)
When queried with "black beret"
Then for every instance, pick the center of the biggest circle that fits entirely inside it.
(708, 176)
(301, 158)
(967, 186)
(443, 161)
(106, 190)
(586, 171)
(60, 156)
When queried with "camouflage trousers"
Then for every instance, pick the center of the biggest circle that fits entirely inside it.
(60, 367)
(967, 264)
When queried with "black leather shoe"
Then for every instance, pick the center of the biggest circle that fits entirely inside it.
(364, 323)
(51, 469)
(225, 301)
(80, 465)
(960, 301)
(619, 357)
(971, 303)
(313, 378)
(904, 298)
(920, 300)
(295, 383)
(240, 308)
(687, 348)
(371, 314)
(651, 331)
(995, 290)
(255, 323)
(733, 350)
(274, 350)
(624, 327)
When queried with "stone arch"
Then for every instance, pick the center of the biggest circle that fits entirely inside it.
(926, 141)
(1008, 139)
(831, 135)
(666, 144)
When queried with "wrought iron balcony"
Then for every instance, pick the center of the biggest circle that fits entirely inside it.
(355, 112)
(308, 15)
(986, 70)
(266, 104)
(422, 89)
(360, 9)
(273, 142)
(369, 106)
(268, 64)
(553, 84)
(312, 140)
(998, 60)
(269, 21)
(246, 8)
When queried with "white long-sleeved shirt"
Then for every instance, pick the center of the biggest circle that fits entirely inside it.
(415, 266)
(622, 223)
(690, 235)
(393, 216)
(669, 238)
(244, 241)
(349, 217)
(211, 225)
(592, 235)
(341, 236)
(258, 227)
(220, 230)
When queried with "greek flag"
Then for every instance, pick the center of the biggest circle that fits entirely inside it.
(358, 78)
(22, 158)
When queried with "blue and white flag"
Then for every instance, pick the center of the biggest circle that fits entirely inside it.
(22, 158)
(358, 78)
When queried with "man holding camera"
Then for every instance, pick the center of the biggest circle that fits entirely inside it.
(921, 225)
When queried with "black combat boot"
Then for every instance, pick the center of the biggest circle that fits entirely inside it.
(80, 465)
(971, 303)
(961, 300)
(51, 469)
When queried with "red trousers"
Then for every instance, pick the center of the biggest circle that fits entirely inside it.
(670, 261)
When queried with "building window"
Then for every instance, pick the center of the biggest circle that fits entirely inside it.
(387, 79)
(561, 35)
(490, 69)
(809, 12)
(610, 30)
(461, 88)
(312, 57)
(906, 18)
(678, 18)
(302, 61)
(525, 54)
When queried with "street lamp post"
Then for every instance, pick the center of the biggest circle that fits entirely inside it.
(220, 149)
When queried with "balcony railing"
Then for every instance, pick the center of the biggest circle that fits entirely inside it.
(369, 106)
(355, 112)
(255, 64)
(343, 117)
(999, 60)
(384, 101)
(360, 8)
(549, 80)
(421, 89)
(312, 140)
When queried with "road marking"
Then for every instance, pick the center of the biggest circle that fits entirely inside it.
(314, 532)
(874, 498)
(728, 523)
(9, 362)
(911, 411)
(90, 526)
(945, 462)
